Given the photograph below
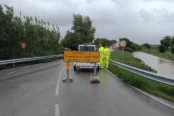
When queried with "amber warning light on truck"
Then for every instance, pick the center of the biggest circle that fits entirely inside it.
(81, 56)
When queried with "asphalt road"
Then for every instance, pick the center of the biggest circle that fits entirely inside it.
(37, 90)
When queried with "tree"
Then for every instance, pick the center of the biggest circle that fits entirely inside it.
(83, 29)
(113, 42)
(162, 48)
(134, 47)
(104, 41)
(172, 50)
(129, 43)
(70, 40)
(81, 32)
(172, 45)
(40, 39)
(166, 41)
(131, 46)
(172, 41)
(148, 46)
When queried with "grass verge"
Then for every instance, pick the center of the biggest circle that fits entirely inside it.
(158, 89)
(154, 51)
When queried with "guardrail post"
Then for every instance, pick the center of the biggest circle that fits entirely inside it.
(122, 55)
(146, 74)
(94, 69)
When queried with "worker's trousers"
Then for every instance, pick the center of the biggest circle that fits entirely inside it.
(106, 62)
(101, 62)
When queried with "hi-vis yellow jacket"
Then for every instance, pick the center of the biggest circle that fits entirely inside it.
(107, 53)
(101, 50)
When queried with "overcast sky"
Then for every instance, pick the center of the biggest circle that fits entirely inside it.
(139, 20)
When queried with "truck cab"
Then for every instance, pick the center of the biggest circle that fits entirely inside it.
(86, 65)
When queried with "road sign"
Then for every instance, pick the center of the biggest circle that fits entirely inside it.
(23, 45)
(81, 56)
(68, 66)
(114, 47)
(123, 43)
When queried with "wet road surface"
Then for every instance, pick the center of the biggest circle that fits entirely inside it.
(31, 91)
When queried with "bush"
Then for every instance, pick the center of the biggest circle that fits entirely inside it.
(127, 49)
(172, 50)
(161, 90)
(134, 47)
(147, 45)
(162, 48)
(139, 48)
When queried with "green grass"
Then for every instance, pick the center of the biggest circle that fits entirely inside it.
(161, 90)
(154, 51)
(129, 59)
(158, 89)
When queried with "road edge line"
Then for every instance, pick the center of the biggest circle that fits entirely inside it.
(153, 97)
(57, 110)
(164, 103)
(11, 72)
(58, 81)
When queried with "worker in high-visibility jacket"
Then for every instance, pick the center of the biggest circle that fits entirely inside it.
(101, 50)
(107, 55)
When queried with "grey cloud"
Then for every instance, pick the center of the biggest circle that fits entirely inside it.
(158, 0)
(146, 16)
(167, 17)
(139, 20)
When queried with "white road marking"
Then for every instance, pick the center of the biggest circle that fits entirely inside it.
(57, 110)
(154, 97)
(11, 72)
(110, 72)
(113, 74)
(164, 103)
(58, 81)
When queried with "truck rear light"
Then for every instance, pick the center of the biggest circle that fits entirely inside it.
(94, 67)
(78, 66)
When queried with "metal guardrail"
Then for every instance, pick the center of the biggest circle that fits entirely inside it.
(146, 74)
(13, 61)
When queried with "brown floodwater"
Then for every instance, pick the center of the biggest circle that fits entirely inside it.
(162, 66)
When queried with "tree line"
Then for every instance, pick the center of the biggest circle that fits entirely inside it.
(167, 44)
(81, 32)
(40, 39)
